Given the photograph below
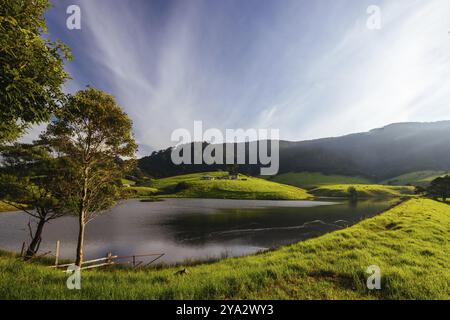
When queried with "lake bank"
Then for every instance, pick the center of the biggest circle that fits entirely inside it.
(409, 243)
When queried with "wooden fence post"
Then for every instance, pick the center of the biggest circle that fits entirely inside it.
(23, 249)
(57, 253)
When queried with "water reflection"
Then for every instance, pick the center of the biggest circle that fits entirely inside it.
(193, 228)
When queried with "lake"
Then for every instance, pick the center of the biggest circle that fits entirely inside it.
(192, 229)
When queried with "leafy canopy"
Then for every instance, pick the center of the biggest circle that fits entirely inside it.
(29, 180)
(440, 187)
(95, 137)
(31, 67)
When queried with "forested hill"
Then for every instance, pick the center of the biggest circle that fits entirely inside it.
(378, 154)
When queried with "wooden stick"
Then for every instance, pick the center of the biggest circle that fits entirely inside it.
(23, 249)
(57, 254)
(85, 262)
(38, 256)
(140, 255)
(160, 256)
(98, 265)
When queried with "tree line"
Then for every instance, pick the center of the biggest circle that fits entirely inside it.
(75, 166)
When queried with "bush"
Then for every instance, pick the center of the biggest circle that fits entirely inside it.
(181, 186)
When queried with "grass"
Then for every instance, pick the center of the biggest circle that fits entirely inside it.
(409, 243)
(4, 207)
(311, 180)
(140, 192)
(127, 181)
(363, 190)
(418, 178)
(245, 187)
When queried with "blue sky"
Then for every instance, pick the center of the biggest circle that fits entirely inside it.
(309, 68)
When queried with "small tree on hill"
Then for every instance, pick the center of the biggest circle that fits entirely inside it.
(352, 193)
(440, 188)
(94, 135)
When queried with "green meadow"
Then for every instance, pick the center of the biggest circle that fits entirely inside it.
(417, 178)
(363, 191)
(408, 242)
(310, 180)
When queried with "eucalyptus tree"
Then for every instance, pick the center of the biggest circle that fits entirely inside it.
(94, 135)
(29, 180)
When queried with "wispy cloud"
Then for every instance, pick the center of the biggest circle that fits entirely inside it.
(310, 68)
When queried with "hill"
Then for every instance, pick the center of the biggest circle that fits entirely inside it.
(311, 180)
(408, 243)
(220, 186)
(377, 155)
(363, 191)
(418, 178)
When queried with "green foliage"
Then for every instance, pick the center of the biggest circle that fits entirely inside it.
(409, 243)
(29, 177)
(94, 136)
(31, 67)
(440, 188)
(29, 180)
(352, 193)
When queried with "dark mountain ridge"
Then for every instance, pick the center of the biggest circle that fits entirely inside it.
(378, 154)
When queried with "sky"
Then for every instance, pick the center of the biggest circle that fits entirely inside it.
(309, 68)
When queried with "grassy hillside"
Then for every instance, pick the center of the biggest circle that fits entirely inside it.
(410, 243)
(418, 178)
(141, 192)
(363, 190)
(315, 179)
(6, 207)
(245, 187)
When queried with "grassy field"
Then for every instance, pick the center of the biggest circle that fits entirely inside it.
(418, 178)
(410, 243)
(141, 192)
(310, 180)
(363, 190)
(4, 207)
(245, 187)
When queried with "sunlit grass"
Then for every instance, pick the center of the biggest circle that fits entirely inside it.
(245, 187)
(420, 178)
(4, 207)
(363, 190)
(315, 179)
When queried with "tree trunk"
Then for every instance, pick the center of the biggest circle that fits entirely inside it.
(35, 242)
(82, 218)
(80, 251)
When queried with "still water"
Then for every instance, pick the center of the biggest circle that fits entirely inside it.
(192, 229)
